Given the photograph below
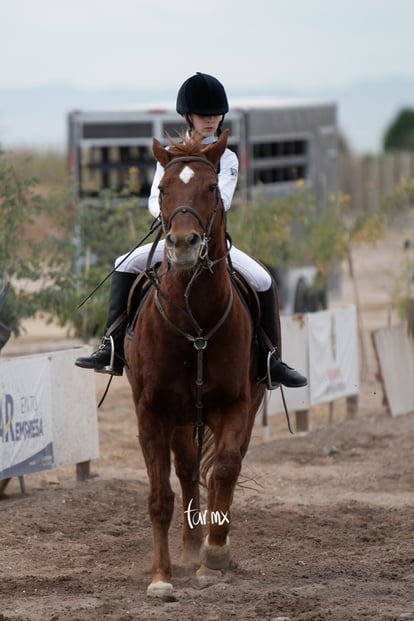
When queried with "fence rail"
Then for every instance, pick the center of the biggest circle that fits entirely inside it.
(369, 180)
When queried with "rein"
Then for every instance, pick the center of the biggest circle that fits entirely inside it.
(200, 344)
(156, 223)
(199, 341)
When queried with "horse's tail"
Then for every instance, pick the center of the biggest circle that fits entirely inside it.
(207, 458)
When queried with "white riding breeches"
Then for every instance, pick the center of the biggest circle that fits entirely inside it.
(255, 274)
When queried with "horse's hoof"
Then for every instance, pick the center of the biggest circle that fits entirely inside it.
(205, 577)
(159, 589)
(215, 557)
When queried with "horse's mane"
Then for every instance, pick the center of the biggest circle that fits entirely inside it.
(188, 145)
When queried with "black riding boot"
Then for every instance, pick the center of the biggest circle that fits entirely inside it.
(272, 370)
(109, 357)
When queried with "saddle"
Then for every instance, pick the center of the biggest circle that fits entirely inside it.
(142, 286)
(247, 295)
(138, 294)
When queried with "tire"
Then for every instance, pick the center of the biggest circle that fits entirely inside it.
(301, 297)
(317, 301)
(308, 301)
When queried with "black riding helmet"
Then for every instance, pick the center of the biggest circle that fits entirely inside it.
(202, 94)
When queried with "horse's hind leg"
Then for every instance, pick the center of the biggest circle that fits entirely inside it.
(185, 452)
(156, 450)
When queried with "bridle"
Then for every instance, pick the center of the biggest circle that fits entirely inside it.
(203, 262)
(199, 340)
(203, 252)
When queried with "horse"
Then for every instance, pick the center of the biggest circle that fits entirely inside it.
(191, 364)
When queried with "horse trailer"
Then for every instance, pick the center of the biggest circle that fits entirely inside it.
(278, 142)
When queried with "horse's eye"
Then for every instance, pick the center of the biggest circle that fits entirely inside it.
(161, 189)
(213, 187)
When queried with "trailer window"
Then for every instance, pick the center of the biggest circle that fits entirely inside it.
(126, 170)
(280, 161)
(280, 148)
(174, 129)
(117, 130)
(281, 174)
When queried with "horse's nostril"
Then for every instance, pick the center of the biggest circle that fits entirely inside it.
(170, 240)
(194, 239)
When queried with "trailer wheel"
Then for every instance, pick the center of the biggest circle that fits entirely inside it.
(301, 297)
(308, 301)
(317, 300)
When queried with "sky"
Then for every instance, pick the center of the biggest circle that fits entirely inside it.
(63, 54)
(248, 43)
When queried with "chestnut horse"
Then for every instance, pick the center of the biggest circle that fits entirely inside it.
(191, 362)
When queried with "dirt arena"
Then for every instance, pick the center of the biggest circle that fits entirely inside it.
(323, 525)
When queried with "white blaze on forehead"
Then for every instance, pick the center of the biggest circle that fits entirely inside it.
(186, 174)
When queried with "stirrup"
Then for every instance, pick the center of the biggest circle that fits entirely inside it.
(109, 367)
(269, 384)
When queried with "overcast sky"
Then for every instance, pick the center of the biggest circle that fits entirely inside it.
(152, 43)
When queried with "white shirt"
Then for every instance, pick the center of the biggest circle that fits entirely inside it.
(227, 180)
(255, 274)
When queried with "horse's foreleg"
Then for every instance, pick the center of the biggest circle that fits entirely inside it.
(232, 439)
(156, 450)
(215, 551)
(185, 452)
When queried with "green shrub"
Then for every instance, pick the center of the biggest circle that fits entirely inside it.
(54, 273)
(400, 133)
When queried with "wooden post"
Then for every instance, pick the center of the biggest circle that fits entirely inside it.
(3, 484)
(83, 471)
(331, 413)
(410, 317)
(302, 420)
(352, 406)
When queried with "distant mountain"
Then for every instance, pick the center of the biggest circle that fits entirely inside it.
(367, 108)
(35, 117)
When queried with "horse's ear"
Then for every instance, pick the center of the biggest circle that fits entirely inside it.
(162, 155)
(215, 150)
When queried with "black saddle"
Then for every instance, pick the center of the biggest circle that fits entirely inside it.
(143, 285)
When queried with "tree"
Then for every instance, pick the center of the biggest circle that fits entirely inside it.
(297, 230)
(21, 257)
(79, 244)
(103, 229)
(53, 273)
(400, 133)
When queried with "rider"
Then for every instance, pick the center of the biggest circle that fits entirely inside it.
(202, 101)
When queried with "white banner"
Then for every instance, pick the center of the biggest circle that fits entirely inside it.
(26, 434)
(295, 354)
(333, 354)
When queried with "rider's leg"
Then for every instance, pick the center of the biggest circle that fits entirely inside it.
(127, 270)
(271, 367)
(270, 348)
(108, 359)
